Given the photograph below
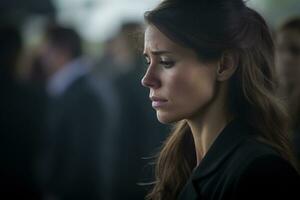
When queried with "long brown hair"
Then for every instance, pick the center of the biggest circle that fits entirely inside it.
(212, 28)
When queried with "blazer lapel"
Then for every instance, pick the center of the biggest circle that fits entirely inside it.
(226, 143)
(189, 193)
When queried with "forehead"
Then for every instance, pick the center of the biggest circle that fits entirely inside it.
(157, 41)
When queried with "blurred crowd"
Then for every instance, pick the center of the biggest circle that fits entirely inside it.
(80, 128)
(77, 128)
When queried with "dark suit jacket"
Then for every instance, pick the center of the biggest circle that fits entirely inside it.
(21, 109)
(141, 135)
(238, 167)
(71, 166)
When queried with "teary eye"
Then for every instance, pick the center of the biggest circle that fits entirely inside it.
(167, 64)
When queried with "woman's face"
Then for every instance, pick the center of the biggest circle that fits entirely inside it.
(181, 86)
(288, 57)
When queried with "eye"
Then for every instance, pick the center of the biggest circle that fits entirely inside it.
(167, 64)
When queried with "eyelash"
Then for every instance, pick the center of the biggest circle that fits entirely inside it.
(166, 64)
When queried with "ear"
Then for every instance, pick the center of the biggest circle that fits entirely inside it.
(226, 66)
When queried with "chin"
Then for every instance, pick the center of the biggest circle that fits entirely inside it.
(165, 118)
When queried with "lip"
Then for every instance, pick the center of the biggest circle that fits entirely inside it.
(158, 102)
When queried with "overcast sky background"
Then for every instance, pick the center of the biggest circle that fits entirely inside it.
(98, 20)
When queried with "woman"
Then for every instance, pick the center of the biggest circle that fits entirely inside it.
(211, 71)
(288, 64)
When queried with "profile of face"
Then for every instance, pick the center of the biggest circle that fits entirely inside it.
(52, 57)
(288, 57)
(181, 86)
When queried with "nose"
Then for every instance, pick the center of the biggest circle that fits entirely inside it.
(150, 79)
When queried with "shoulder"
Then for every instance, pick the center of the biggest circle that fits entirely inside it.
(264, 173)
(256, 157)
(251, 150)
(80, 86)
(249, 170)
(80, 101)
(82, 91)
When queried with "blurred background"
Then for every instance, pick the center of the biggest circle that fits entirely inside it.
(99, 20)
(75, 120)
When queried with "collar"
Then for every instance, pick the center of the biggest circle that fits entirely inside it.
(69, 73)
(229, 139)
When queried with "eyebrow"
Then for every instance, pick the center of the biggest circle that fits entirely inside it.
(157, 53)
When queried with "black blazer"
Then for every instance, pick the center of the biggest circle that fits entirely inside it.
(239, 167)
(70, 165)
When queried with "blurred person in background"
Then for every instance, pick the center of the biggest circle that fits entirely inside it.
(139, 132)
(288, 66)
(71, 161)
(21, 111)
(142, 133)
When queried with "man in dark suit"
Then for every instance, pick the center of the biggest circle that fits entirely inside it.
(141, 134)
(20, 114)
(70, 163)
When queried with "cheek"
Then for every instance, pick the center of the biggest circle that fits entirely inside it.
(198, 94)
(176, 88)
(194, 88)
(190, 93)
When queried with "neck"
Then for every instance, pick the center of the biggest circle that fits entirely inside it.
(209, 124)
